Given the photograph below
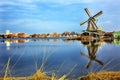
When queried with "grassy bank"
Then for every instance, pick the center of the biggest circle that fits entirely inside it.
(103, 75)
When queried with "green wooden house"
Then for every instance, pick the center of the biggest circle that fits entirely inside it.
(116, 34)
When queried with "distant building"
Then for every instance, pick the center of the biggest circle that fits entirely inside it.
(108, 34)
(22, 35)
(7, 32)
(11, 36)
(55, 34)
(67, 34)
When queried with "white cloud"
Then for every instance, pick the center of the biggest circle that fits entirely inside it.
(66, 2)
(71, 1)
(2, 10)
(62, 2)
(109, 11)
(38, 24)
(26, 1)
(16, 6)
(23, 3)
(7, 3)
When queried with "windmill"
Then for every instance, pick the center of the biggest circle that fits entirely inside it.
(91, 20)
(92, 50)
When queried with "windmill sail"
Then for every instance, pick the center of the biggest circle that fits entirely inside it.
(98, 14)
(83, 22)
(91, 20)
(88, 12)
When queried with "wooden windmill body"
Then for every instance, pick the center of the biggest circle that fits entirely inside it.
(92, 27)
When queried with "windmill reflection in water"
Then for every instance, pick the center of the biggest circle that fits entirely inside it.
(92, 50)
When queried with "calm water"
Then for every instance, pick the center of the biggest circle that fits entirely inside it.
(60, 56)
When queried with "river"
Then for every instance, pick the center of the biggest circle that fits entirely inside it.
(74, 58)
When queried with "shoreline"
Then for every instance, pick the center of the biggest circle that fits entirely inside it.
(102, 75)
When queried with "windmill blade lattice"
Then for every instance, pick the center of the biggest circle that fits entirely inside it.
(99, 62)
(88, 12)
(98, 14)
(83, 22)
(83, 54)
(91, 20)
(88, 64)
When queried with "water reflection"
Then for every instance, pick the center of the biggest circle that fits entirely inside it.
(27, 54)
(116, 41)
(15, 41)
(47, 39)
(92, 48)
(8, 42)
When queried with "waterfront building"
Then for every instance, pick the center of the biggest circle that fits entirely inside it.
(22, 35)
(116, 34)
(7, 32)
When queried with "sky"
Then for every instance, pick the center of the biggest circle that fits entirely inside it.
(47, 16)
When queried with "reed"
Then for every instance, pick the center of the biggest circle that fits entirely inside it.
(103, 75)
(40, 75)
